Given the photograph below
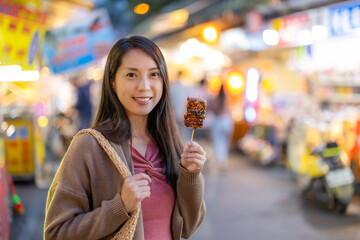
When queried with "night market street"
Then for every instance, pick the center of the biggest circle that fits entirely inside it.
(246, 201)
(273, 83)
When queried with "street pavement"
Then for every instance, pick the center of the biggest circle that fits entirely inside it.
(246, 201)
(30, 225)
(249, 201)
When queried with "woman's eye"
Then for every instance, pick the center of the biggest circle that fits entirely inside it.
(155, 74)
(131, 75)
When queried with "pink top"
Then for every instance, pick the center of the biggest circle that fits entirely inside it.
(156, 209)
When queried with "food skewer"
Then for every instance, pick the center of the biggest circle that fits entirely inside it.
(195, 114)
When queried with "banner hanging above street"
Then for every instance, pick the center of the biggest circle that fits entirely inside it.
(79, 44)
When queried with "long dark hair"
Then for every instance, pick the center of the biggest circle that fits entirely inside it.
(111, 118)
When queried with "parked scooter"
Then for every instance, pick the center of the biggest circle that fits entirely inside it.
(332, 183)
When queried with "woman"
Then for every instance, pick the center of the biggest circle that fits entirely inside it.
(89, 199)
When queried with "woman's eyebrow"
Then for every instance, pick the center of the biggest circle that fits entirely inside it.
(135, 69)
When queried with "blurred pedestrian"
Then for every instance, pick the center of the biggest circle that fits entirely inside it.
(179, 93)
(222, 128)
(201, 90)
(90, 199)
(60, 136)
(83, 104)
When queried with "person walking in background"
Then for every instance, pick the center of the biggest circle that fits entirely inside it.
(222, 128)
(201, 90)
(90, 199)
(83, 104)
(179, 93)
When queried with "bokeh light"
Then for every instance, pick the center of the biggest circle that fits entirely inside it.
(235, 82)
(188, 49)
(43, 121)
(252, 85)
(141, 8)
(210, 34)
(271, 37)
(250, 114)
(215, 84)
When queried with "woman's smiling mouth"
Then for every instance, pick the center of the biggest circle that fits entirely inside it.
(142, 100)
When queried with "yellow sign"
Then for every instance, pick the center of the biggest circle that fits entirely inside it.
(20, 148)
(2, 152)
(21, 35)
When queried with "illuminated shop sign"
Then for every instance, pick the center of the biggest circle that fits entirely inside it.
(21, 35)
(344, 19)
(252, 87)
(292, 28)
(79, 44)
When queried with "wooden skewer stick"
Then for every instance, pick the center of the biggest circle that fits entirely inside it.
(192, 134)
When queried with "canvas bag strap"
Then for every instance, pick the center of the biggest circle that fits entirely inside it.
(128, 229)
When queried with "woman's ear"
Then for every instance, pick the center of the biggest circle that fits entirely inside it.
(112, 83)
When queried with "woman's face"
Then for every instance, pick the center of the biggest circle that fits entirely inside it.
(138, 83)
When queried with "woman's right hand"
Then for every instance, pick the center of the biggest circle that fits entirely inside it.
(135, 189)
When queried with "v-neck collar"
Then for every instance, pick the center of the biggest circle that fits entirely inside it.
(146, 156)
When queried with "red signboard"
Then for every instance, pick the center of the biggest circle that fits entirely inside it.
(289, 28)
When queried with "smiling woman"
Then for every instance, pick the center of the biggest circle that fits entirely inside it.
(90, 199)
(138, 83)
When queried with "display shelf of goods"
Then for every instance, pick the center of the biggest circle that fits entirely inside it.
(341, 83)
(340, 80)
(346, 98)
(340, 93)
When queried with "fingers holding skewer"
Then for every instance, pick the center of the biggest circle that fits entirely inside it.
(194, 157)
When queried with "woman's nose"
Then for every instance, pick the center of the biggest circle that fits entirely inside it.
(144, 84)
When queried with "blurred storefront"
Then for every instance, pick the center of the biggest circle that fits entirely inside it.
(36, 92)
(43, 59)
(319, 45)
(22, 33)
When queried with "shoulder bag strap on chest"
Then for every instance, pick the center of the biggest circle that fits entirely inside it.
(128, 229)
(110, 151)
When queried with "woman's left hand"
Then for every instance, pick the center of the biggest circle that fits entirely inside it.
(193, 158)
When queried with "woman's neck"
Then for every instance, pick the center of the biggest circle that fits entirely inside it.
(139, 128)
(140, 135)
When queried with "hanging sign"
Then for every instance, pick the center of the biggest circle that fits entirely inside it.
(79, 43)
(344, 19)
(289, 27)
(21, 35)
